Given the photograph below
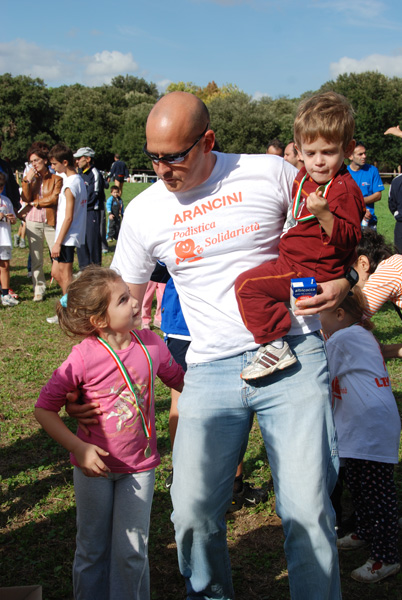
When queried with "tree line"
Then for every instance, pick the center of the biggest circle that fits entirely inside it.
(111, 118)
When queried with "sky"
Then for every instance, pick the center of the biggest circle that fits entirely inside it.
(265, 47)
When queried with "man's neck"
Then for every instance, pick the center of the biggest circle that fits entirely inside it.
(354, 167)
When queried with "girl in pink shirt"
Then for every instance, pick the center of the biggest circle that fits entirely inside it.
(114, 460)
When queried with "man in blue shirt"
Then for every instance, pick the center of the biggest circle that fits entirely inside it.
(369, 181)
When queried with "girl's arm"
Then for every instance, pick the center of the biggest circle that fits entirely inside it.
(88, 455)
(68, 219)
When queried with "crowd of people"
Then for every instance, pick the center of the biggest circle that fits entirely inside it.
(232, 232)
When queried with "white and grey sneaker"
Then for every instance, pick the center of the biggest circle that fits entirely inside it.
(8, 300)
(267, 360)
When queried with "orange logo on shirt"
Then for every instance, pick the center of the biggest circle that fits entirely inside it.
(186, 250)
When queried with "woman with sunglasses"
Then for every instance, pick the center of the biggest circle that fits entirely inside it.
(40, 190)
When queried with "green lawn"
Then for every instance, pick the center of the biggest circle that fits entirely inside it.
(37, 527)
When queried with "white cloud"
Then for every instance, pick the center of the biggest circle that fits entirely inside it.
(387, 65)
(23, 58)
(360, 13)
(20, 57)
(102, 67)
(259, 95)
(162, 85)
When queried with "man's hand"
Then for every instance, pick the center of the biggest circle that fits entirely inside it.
(331, 294)
(84, 413)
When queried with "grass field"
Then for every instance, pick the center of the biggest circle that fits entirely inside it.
(37, 522)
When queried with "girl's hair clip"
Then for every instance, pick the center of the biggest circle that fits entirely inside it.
(63, 301)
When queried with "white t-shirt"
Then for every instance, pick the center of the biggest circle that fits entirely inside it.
(207, 237)
(76, 234)
(6, 207)
(365, 412)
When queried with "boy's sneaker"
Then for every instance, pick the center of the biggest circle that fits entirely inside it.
(12, 294)
(16, 240)
(9, 300)
(373, 571)
(22, 243)
(267, 360)
(350, 542)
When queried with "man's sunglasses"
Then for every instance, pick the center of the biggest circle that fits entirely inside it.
(172, 159)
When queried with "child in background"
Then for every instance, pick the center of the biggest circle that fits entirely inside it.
(369, 427)
(115, 208)
(114, 464)
(7, 218)
(328, 208)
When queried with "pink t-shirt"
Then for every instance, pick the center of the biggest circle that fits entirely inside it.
(91, 369)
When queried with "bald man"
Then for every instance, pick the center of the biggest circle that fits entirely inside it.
(210, 217)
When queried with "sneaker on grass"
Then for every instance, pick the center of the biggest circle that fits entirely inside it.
(373, 571)
(267, 360)
(8, 300)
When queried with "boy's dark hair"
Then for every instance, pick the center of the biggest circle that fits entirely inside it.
(41, 149)
(3, 179)
(62, 152)
(114, 187)
(374, 246)
(328, 115)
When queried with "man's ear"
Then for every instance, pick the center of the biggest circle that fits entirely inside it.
(209, 141)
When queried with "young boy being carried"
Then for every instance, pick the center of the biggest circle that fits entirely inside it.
(7, 218)
(327, 207)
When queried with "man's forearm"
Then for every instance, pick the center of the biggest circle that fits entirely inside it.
(372, 198)
(137, 290)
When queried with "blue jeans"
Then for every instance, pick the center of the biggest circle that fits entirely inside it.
(294, 414)
(111, 559)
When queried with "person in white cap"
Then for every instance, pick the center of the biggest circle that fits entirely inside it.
(91, 251)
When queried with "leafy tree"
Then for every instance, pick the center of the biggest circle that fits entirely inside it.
(377, 100)
(25, 115)
(129, 83)
(129, 140)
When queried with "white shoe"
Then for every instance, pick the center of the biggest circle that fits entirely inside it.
(38, 297)
(53, 320)
(267, 360)
(350, 542)
(373, 571)
(9, 300)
